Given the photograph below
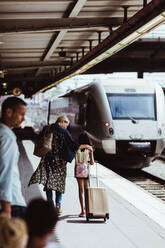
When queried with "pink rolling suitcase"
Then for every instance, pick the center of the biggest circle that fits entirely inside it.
(96, 202)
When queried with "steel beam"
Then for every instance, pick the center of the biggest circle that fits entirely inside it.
(34, 65)
(51, 48)
(57, 24)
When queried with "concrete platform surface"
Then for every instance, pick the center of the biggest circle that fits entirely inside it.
(137, 219)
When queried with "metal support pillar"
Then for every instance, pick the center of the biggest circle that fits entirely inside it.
(144, 3)
(110, 30)
(140, 74)
(90, 45)
(77, 56)
(99, 37)
(83, 51)
(71, 60)
(125, 14)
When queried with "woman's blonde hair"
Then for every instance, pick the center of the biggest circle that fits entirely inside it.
(13, 232)
(62, 118)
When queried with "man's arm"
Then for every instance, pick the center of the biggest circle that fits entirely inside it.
(6, 207)
(7, 159)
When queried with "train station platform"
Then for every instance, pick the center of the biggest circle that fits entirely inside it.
(137, 219)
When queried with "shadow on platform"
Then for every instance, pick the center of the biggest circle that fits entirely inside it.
(85, 222)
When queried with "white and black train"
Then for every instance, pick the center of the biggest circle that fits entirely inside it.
(125, 120)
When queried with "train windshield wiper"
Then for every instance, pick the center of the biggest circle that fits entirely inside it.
(120, 111)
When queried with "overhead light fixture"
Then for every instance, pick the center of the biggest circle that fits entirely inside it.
(17, 91)
(2, 74)
(129, 39)
(152, 24)
(4, 85)
(62, 53)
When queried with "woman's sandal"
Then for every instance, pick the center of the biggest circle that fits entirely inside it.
(82, 214)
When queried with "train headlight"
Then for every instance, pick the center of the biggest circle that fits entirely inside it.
(107, 124)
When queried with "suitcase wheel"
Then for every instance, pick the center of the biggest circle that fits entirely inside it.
(107, 216)
(89, 216)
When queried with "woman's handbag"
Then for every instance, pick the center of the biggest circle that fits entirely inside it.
(44, 143)
(81, 169)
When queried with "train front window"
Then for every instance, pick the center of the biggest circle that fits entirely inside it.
(135, 106)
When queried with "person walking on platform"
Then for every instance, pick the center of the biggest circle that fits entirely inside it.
(83, 159)
(11, 199)
(51, 171)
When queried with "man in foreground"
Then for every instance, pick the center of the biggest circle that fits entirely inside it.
(11, 199)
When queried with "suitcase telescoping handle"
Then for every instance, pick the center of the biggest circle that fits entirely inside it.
(97, 180)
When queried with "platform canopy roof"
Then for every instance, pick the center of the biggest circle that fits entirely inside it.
(44, 42)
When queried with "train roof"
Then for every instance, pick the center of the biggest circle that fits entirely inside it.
(145, 84)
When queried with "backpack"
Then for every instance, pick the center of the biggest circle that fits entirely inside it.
(81, 166)
(44, 142)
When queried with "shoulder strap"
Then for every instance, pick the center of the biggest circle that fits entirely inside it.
(48, 129)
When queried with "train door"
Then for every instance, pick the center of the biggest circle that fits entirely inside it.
(82, 115)
(93, 118)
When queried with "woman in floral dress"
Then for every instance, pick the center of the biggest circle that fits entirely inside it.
(51, 171)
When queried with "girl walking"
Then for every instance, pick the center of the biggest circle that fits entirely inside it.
(84, 158)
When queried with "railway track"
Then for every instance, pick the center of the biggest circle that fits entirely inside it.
(150, 183)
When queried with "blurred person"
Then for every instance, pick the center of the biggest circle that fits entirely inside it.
(13, 232)
(41, 217)
(12, 201)
(83, 159)
(51, 171)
